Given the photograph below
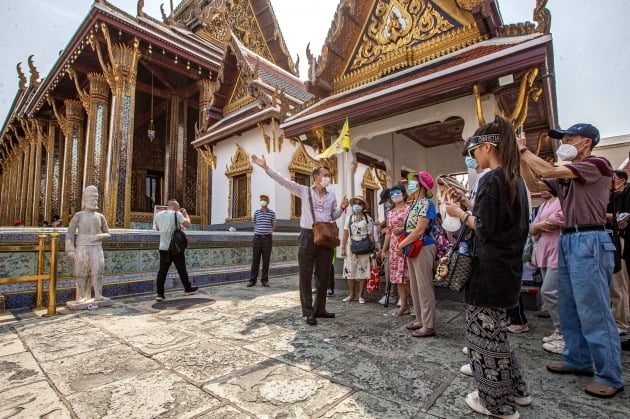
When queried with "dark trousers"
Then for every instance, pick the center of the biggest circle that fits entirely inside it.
(517, 314)
(262, 247)
(165, 264)
(331, 278)
(311, 256)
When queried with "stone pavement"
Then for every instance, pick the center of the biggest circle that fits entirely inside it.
(237, 352)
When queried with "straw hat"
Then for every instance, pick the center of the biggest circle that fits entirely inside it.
(362, 200)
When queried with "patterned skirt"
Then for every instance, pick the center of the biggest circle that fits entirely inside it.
(492, 360)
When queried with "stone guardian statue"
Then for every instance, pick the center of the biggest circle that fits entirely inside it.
(84, 238)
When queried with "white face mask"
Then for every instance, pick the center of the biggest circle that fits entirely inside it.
(263, 203)
(568, 152)
(325, 182)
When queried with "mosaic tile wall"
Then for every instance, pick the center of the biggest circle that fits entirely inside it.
(131, 262)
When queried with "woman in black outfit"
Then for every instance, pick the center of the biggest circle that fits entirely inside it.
(500, 221)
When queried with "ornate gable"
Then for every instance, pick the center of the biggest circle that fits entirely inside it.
(383, 36)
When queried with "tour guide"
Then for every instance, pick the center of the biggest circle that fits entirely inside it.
(585, 257)
(309, 254)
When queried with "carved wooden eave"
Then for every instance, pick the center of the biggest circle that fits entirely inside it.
(369, 181)
(384, 36)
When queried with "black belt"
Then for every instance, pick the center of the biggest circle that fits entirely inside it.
(261, 235)
(583, 227)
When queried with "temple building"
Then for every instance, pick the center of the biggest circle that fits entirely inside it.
(151, 109)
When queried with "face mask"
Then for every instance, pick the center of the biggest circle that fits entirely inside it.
(263, 203)
(471, 163)
(357, 208)
(567, 152)
(325, 182)
(397, 197)
(412, 186)
(388, 206)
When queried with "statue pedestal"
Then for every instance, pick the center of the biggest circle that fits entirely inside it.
(73, 305)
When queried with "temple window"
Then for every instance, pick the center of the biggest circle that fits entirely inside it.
(239, 197)
(370, 188)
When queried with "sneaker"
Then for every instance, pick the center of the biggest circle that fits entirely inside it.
(251, 283)
(160, 298)
(523, 401)
(330, 293)
(465, 350)
(191, 290)
(473, 401)
(348, 298)
(556, 335)
(361, 300)
(382, 300)
(518, 328)
(466, 369)
(555, 347)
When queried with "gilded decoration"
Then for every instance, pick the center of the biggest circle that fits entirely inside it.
(240, 95)
(476, 90)
(527, 91)
(240, 165)
(219, 17)
(301, 164)
(405, 33)
(273, 142)
(21, 77)
(208, 156)
(382, 178)
(542, 16)
(469, 4)
(369, 182)
(34, 79)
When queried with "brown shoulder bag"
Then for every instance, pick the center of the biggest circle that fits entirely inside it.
(324, 234)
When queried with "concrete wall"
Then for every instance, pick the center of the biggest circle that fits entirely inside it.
(615, 149)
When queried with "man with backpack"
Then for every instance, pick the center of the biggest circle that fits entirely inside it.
(167, 222)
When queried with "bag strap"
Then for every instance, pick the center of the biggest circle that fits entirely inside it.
(177, 227)
(310, 200)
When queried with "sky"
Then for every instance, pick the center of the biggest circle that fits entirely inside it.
(591, 48)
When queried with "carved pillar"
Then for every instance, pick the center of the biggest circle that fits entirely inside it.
(176, 150)
(95, 104)
(31, 216)
(70, 125)
(120, 73)
(56, 166)
(204, 169)
(25, 157)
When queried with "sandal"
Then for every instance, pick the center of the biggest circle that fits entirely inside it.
(401, 312)
(602, 390)
(413, 326)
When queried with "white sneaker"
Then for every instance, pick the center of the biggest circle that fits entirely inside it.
(523, 401)
(382, 300)
(473, 401)
(348, 298)
(361, 300)
(466, 370)
(555, 347)
(556, 335)
(518, 328)
(465, 350)
(398, 304)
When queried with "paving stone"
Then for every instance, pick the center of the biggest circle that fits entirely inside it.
(129, 325)
(156, 394)
(18, 369)
(51, 327)
(36, 400)
(10, 343)
(362, 405)
(86, 339)
(86, 371)
(278, 390)
(225, 412)
(208, 360)
(240, 330)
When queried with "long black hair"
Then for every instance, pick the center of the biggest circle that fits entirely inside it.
(507, 150)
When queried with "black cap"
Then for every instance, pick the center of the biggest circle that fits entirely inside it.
(583, 130)
(384, 196)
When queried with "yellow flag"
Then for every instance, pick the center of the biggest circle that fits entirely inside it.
(342, 143)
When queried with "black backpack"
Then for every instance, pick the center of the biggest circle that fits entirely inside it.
(179, 242)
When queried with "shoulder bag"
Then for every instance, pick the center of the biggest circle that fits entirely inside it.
(455, 268)
(363, 246)
(412, 249)
(179, 242)
(324, 234)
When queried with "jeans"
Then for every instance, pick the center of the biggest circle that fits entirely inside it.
(262, 248)
(165, 264)
(312, 256)
(585, 270)
(549, 292)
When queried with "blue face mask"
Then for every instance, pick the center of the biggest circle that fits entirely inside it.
(412, 186)
(471, 163)
(357, 208)
(388, 206)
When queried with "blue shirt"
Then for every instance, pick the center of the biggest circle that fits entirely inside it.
(263, 221)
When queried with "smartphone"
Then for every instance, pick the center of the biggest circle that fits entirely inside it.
(519, 131)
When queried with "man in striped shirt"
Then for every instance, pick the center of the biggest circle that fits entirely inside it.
(264, 223)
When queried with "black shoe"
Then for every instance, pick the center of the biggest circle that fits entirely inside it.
(311, 320)
(191, 290)
(265, 284)
(625, 345)
(251, 283)
(326, 315)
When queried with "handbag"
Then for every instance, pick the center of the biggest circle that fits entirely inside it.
(375, 281)
(412, 249)
(455, 269)
(324, 234)
(363, 246)
(179, 242)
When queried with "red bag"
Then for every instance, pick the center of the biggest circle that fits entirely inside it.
(375, 280)
(413, 249)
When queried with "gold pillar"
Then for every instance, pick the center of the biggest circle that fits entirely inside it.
(24, 158)
(70, 125)
(176, 150)
(53, 172)
(30, 183)
(204, 170)
(120, 73)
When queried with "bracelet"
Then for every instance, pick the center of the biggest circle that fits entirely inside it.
(463, 220)
(523, 149)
